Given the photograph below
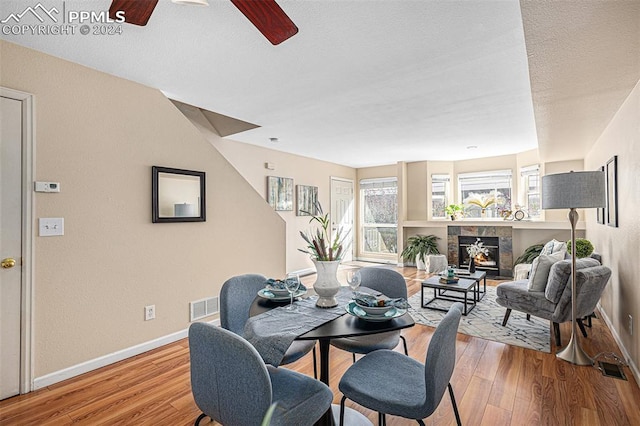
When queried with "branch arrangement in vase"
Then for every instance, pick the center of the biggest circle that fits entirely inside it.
(320, 245)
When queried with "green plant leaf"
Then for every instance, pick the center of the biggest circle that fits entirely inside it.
(420, 245)
(529, 254)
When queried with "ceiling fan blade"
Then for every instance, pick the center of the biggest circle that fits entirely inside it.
(268, 18)
(136, 12)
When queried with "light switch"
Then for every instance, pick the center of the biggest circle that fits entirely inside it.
(51, 226)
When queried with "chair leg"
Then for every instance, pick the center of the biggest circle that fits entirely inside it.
(506, 317)
(404, 343)
(200, 417)
(420, 422)
(528, 317)
(556, 333)
(455, 406)
(353, 354)
(315, 364)
(581, 325)
(344, 398)
(382, 419)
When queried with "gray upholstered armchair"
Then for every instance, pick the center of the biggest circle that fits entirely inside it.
(554, 303)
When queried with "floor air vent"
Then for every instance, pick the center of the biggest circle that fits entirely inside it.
(612, 370)
(203, 308)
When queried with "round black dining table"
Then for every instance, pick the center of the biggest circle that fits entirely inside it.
(344, 326)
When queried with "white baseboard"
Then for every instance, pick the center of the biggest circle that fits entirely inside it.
(632, 366)
(93, 364)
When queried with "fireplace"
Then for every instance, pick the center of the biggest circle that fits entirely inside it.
(497, 238)
(489, 262)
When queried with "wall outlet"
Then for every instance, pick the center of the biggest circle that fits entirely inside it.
(149, 312)
(630, 325)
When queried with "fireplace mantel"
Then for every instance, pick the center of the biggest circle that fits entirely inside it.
(515, 224)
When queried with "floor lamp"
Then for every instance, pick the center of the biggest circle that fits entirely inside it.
(573, 190)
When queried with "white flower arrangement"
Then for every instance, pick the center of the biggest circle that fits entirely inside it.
(477, 248)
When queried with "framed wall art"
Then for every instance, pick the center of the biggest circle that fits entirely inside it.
(601, 212)
(307, 200)
(280, 193)
(177, 195)
(612, 191)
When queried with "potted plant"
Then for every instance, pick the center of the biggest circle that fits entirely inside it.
(584, 248)
(419, 246)
(454, 211)
(530, 254)
(326, 253)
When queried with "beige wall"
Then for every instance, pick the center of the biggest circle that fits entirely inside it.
(250, 161)
(620, 246)
(98, 136)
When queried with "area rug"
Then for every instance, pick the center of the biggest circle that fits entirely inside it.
(485, 321)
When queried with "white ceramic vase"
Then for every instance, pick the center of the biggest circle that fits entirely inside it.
(327, 284)
(420, 265)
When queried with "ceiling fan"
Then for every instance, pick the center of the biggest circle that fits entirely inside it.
(265, 15)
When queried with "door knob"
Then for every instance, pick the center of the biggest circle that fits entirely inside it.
(8, 263)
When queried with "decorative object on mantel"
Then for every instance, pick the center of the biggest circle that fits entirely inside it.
(326, 254)
(519, 215)
(454, 211)
(483, 200)
(474, 250)
(506, 213)
(419, 246)
(573, 190)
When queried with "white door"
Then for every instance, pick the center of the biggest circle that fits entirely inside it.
(10, 244)
(342, 212)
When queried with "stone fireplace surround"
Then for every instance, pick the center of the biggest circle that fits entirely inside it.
(505, 244)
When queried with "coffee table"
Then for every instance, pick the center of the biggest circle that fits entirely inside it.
(443, 292)
(477, 275)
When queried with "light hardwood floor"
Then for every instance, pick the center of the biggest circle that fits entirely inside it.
(495, 384)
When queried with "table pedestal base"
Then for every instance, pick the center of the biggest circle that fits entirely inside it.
(351, 417)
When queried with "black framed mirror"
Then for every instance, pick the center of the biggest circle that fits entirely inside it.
(177, 195)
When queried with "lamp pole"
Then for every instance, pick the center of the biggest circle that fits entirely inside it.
(573, 352)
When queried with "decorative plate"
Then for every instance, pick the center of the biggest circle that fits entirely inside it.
(355, 310)
(266, 294)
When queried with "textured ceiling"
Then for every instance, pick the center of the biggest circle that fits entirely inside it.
(373, 82)
(584, 59)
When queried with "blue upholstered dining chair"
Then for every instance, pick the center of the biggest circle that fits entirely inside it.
(236, 297)
(391, 284)
(233, 386)
(391, 383)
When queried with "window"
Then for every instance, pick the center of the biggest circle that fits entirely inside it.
(485, 187)
(531, 183)
(439, 195)
(379, 215)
